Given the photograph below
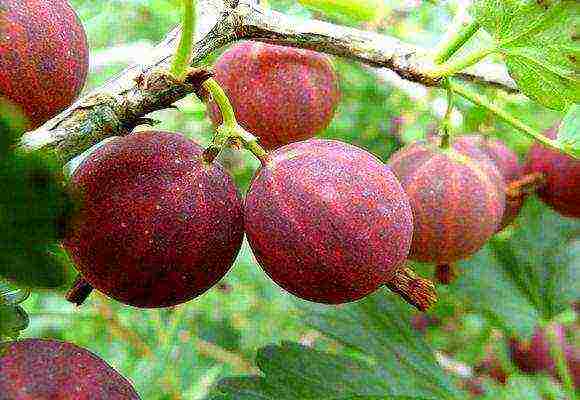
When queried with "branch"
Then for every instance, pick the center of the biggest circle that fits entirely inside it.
(120, 104)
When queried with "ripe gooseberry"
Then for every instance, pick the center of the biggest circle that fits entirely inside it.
(280, 94)
(37, 369)
(44, 56)
(330, 223)
(457, 202)
(158, 225)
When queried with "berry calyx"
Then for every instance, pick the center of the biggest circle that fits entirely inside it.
(280, 94)
(158, 225)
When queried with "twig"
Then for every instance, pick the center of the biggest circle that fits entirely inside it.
(116, 107)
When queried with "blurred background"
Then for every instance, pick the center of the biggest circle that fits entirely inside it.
(180, 352)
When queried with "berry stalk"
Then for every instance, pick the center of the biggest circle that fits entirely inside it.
(185, 47)
(475, 98)
(229, 129)
(446, 123)
(561, 365)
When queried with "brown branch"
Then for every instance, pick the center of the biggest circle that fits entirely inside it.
(120, 104)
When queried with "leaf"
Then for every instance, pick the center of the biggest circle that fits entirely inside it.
(569, 130)
(33, 207)
(13, 319)
(378, 327)
(388, 360)
(539, 42)
(533, 275)
(526, 387)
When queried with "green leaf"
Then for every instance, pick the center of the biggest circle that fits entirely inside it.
(526, 387)
(538, 40)
(33, 208)
(13, 319)
(532, 275)
(387, 359)
(378, 327)
(569, 130)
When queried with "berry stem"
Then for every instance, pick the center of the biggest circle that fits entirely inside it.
(525, 185)
(182, 56)
(507, 117)
(417, 291)
(230, 129)
(455, 42)
(446, 274)
(446, 123)
(222, 101)
(560, 362)
(80, 291)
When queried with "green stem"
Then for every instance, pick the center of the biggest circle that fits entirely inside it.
(222, 101)
(230, 127)
(257, 150)
(446, 123)
(506, 117)
(458, 65)
(560, 360)
(183, 55)
(456, 42)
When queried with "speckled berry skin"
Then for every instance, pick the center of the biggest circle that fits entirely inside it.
(280, 94)
(457, 201)
(327, 221)
(44, 56)
(157, 226)
(562, 175)
(506, 162)
(38, 369)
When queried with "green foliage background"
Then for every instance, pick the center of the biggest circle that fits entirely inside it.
(524, 276)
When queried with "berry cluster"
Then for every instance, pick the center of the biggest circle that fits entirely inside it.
(160, 221)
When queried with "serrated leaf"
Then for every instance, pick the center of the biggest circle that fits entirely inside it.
(533, 275)
(378, 327)
(569, 130)
(390, 360)
(539, 42)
